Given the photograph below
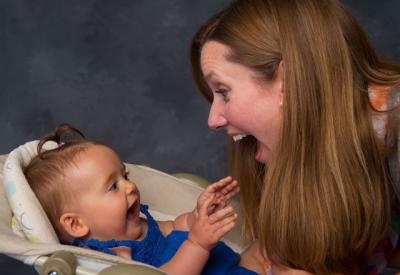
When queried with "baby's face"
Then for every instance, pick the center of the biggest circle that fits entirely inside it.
(107, 202)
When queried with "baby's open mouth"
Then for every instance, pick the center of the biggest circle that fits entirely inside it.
(132, 211)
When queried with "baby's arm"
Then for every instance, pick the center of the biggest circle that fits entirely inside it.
(205, 232)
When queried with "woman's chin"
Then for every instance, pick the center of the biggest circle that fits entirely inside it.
(262, 153)
(261, 160)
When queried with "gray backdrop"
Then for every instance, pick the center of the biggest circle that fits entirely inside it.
(118, 70)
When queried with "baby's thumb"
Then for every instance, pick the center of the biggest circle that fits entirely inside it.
(203, 211)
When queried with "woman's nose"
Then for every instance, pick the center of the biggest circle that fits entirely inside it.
(216, 118)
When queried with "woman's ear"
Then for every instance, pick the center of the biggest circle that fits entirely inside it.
(73, 225)
(280, 76)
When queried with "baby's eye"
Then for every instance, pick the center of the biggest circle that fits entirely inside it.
(126, 175)
(113, 187)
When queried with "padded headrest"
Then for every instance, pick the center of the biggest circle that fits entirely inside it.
(30, 220)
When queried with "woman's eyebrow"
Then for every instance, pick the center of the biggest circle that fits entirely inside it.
(214, 79)
(209, 76)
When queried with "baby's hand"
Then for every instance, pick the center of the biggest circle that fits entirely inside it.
(222, 191)
(208, 230)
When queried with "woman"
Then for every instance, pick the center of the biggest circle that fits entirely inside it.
(310, 107)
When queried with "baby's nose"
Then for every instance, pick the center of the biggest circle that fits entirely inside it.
(130, 187)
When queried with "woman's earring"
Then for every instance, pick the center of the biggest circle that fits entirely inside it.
(281, 102)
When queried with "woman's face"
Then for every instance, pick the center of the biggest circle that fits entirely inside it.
(241, 104)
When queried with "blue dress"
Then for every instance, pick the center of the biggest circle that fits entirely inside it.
(156, 250)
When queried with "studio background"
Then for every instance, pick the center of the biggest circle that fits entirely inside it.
(118, 70)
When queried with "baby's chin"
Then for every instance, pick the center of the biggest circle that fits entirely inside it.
(138, 230)
(136, 226)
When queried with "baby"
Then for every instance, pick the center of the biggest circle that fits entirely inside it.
(85, 190)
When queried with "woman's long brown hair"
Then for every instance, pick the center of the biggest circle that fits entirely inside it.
(324, 201)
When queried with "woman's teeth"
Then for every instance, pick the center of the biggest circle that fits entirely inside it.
(238, 137)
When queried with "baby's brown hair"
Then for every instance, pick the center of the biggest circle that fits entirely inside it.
(46, 172)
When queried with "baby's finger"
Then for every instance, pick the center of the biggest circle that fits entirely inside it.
(232, 192)
(220, 214)
(220, 184)
(225, 180)
(226, 220)
(220, 200)
(221, 231)
(232, 187)
(203, 211)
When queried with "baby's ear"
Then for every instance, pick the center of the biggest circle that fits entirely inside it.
(73, 225)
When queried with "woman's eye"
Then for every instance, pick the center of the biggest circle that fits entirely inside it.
(223, 93)
(113, 187)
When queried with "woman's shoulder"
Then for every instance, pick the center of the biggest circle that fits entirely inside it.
(393, 106)
(383, 97)
(394, 230)
(387, 252)
(395, 223)
(394, 97)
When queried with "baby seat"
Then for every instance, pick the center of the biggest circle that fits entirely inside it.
(27, 235)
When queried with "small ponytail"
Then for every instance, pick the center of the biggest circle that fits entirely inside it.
(63, 134)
